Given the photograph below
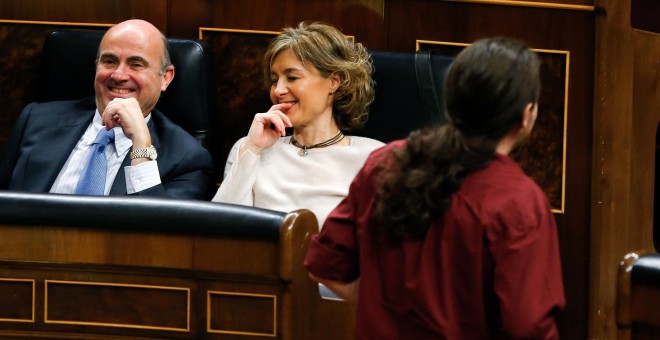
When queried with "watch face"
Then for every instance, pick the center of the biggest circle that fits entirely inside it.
(151, 153)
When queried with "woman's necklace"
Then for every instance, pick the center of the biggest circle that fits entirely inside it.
(303, 148)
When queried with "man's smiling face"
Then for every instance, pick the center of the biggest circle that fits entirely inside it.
(129, 65)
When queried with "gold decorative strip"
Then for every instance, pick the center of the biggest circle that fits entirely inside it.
(104, 324)
(209, 328)
(231, 30)
(63, 23)
(563, 169)
(566, 54)
(32, 282)
(434, 42)
(529, 4)
(447, 43)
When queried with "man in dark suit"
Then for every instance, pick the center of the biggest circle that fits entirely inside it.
(51, 144)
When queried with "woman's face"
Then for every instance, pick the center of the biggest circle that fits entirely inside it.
(292, 82)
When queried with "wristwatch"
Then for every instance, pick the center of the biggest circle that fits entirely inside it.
(149, 153)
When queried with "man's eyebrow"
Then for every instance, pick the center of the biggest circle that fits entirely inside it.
(138, 59)
(108, 55)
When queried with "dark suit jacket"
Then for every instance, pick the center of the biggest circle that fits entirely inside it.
(46, 133)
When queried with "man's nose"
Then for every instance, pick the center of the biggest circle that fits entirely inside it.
(119, 73)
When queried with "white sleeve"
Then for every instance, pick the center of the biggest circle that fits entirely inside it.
(233, 156)
(237, 185)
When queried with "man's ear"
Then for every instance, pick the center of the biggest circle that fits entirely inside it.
(167, 77)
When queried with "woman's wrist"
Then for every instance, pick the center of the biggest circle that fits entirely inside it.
(249, 146)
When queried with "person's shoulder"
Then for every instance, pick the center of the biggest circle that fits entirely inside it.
(366, 142)
(56, 111)
(365, 145)
(81, 104)
(503, 178)
(384, 154)
(173, 134)
(165, 123)
(515, 176)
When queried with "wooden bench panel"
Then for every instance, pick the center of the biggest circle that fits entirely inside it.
(220, 274)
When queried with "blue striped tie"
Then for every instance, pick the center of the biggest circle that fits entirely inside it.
(92, 180)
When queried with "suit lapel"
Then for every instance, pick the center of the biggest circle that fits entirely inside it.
(155, 141)
(53, 147)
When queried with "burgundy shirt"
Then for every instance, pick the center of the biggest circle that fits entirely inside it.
(488, 269)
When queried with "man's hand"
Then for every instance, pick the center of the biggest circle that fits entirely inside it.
(126, 112)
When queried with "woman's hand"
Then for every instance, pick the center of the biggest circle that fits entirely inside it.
(266, 128)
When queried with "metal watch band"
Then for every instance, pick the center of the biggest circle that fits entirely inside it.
(147, 152)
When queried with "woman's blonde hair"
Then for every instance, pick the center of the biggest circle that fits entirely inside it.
(330, 52)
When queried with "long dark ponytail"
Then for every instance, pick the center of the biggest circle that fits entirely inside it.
(488, 86)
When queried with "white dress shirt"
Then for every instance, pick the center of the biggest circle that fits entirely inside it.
(140, 177)
(280, 179)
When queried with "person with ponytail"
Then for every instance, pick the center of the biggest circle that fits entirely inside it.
(442, 235)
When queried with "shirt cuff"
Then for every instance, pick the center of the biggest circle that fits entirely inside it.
(329, 263)
(141, 177)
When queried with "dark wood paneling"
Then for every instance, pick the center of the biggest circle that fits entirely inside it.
(226, 310)
(362, 19)
(190, 16)
(395, 25)
(96, 11)
(466, 22)
(114, 305)
(541, 28)
(20, 59)
(17, 300)
(561, 4)
(542, 157)
(99, 283)
(626, 119)
(82, 301)
(240, 91)
(645, 15)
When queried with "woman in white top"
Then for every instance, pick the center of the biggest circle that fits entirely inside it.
(321, 86)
